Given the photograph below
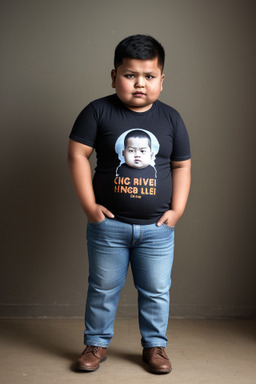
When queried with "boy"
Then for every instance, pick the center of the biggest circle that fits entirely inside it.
(123, 229)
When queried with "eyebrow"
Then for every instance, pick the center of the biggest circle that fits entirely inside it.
(135, 73)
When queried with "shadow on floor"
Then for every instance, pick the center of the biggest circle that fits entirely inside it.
(57, 337)
(51, 336)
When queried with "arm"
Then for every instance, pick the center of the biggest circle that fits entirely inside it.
(78, 161)
(181, 179)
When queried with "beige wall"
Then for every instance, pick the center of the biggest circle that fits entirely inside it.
(56, 56)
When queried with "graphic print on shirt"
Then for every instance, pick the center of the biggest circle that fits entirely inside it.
(136, 174)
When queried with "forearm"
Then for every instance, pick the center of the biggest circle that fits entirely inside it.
(181, 180)
(80, 171)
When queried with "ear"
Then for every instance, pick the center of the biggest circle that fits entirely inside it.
(162, 80)
(113, 77)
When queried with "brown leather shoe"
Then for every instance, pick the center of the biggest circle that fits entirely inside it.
(91, 358)
(157, 360)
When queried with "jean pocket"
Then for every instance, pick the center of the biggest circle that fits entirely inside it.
(170, 228)
(98, 222)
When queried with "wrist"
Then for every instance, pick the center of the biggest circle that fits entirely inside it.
(94, 213)
(177, 213)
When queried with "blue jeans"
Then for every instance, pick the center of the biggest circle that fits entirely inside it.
(112, 245)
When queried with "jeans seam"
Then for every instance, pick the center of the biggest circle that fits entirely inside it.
(141, 233)
(133, 242)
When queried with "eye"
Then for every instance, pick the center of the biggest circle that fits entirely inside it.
(129, 76)
(149, 77)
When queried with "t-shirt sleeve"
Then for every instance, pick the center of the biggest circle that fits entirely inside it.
(85, 127)
(181, 144)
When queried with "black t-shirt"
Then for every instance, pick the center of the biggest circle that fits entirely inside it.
(134, 153)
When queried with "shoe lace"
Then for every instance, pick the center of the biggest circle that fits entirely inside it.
(90, 349)
(158, 351)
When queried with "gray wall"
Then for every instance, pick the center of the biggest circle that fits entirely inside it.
(56, 56)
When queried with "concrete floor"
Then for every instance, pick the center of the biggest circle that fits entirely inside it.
(42, 351)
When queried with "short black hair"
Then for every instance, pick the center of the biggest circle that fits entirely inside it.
(137, 133)
(141, 47)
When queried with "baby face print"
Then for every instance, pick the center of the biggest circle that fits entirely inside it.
(137, 152)
(136, 149)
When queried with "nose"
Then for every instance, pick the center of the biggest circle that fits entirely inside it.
(140, 82)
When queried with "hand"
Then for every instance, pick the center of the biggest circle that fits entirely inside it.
(98, 213)
(169, 218)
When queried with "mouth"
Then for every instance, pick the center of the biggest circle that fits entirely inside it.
(138, 94)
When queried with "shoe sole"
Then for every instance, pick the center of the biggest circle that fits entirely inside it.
(84, 369)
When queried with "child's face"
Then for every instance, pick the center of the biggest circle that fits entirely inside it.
(138, 83)
(137, 153)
